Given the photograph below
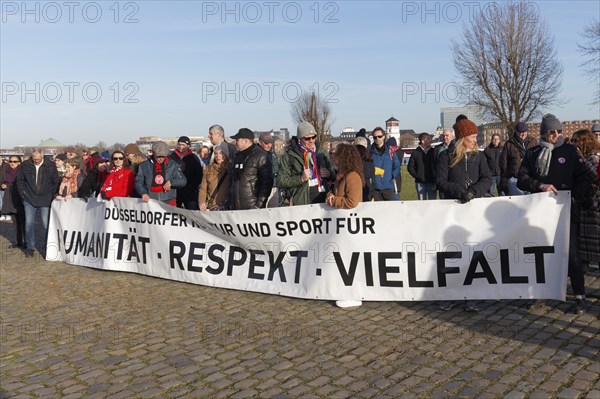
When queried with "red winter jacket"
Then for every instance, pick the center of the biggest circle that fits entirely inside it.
(119, 183)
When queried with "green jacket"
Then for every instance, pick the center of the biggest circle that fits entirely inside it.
(291, 167)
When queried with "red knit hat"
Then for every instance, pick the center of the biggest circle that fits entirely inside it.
(464, 128)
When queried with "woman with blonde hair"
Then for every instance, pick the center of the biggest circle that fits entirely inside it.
(463, 173)
(214, 189)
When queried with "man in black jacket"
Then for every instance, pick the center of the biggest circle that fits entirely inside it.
(37, 183)
(187, 196)
(492, 154)
(421, 166)
(552, 166)
(252, 173)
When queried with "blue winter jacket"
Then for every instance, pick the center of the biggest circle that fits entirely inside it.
(388, 161)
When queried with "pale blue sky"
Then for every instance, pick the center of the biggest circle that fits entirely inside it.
(370, 57)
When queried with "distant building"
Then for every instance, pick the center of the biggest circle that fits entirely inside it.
(392, 128)
(448, 115)
(348, 134)
(569, 127)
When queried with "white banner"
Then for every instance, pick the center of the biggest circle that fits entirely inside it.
(490, 248)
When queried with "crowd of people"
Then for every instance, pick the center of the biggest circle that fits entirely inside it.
(241, 174)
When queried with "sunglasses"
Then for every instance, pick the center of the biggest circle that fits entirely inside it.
(310, 138)
(13, 161)
(378, 137)
(118, 158)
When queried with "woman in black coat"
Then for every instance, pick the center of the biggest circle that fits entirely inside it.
(12, 204)
(463, 173)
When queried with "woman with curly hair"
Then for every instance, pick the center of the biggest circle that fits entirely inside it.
(589, 214)
(348, 189)
(350, 179)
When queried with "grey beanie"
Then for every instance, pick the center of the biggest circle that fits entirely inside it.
(550, 123)
(160, 149)
(222, 147)
(305, 129)
(595, 128)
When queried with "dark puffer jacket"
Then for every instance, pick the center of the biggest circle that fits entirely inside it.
(421, 164)
(39, 195)
(492, 154)
(252, 179)
(192, 170)
(472, 174)
(512, 155)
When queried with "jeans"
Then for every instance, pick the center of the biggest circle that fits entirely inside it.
(512, 186)
(30, 212)
(426, 191)
(496, 182)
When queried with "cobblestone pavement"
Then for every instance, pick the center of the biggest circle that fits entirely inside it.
(71, 332)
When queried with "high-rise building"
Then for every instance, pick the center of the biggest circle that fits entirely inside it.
(448, 115)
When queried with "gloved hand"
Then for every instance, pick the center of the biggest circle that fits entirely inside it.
(466, 196)
(379, 171)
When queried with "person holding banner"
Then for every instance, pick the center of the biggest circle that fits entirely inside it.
(214, 190)
(120, 181)
(347, 191)
(305, 169)
(463, 174)
(252, 177)
(551, 166)
(348, 187)
(157, 178)
(71, 181)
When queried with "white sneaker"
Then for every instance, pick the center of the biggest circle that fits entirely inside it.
(8, 218)
(2, 218)
(348, 304)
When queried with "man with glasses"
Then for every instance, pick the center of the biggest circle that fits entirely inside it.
(305, 169)
(37, 183)
(159, 179)
(387, 167)
(553, 166)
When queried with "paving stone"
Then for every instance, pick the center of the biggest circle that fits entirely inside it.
(137, 336)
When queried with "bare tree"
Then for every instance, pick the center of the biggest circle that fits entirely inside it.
(508, 62)
(311, 108)
(591, 50)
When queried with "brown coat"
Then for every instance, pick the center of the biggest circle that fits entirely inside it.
(348, 191)
(210, 181)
